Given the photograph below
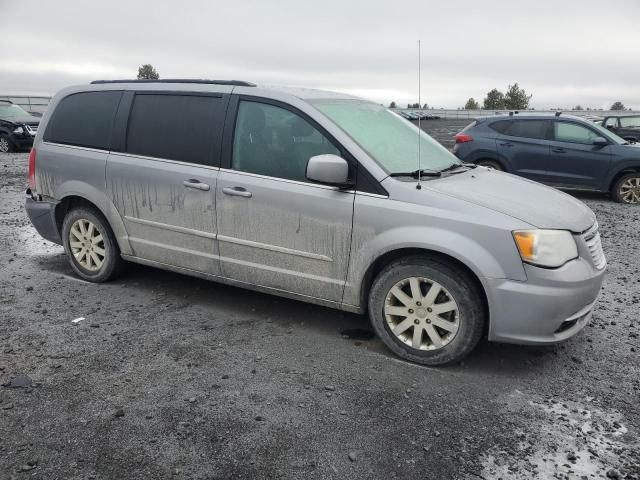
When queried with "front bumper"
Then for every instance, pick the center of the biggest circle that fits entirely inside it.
(42, 216)
(22, 140)
(550, 307)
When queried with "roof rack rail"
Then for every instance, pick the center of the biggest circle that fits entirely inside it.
(236, 83)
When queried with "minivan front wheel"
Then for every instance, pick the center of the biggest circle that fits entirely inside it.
(627, 189)
(91, 245)
(427, 310)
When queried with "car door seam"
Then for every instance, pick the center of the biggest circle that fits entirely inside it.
(274, 248)
(174, 228)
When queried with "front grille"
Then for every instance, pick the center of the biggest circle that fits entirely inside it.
(594, 245)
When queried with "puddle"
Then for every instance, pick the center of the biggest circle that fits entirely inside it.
(358, 334)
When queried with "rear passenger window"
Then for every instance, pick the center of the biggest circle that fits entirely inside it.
(275, 142)
(84, 119)
(528, 129)
(175, 127)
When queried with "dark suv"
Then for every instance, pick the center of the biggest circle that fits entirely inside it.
(17, 127)
(625, 126)
(559, 150)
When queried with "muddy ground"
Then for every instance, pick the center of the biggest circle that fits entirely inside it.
(173, 377)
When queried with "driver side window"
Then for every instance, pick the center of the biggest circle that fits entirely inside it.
(275, 142)
(573, 133)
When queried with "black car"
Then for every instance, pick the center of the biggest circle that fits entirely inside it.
(17, 127)
(559, 150)
(625, 126)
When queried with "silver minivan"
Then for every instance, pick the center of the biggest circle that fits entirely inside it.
(315, 196)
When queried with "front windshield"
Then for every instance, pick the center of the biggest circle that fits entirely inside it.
(629, 122)
(606, 133)
(388, 138)
(8, 110)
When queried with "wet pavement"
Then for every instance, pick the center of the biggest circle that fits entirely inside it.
(169, 376)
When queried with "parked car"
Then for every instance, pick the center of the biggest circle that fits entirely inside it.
(625, 126)
(17, 127)
(314, 196)
(559, 150)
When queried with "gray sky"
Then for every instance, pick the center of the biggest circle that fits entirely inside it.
(565, 52)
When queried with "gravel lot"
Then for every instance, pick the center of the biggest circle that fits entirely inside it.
(173, 377)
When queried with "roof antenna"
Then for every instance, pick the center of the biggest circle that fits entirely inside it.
(419, 185)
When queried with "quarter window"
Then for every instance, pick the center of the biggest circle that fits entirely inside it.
(275, 142)
(501, 125)
(84, 119)
(573, 133)
(536, 129)
(175, 127)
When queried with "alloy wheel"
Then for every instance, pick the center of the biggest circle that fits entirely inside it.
(87, 245)
(630, 190)
(4, 145)
(422, 314)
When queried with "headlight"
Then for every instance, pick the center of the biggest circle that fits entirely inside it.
(19, 130)
(546, 248)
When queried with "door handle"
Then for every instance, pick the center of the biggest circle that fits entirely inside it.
(506, 144)
(558, 150)
(197, 184)
(236, 192)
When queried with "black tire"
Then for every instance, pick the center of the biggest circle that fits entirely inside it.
(112, 264)
(6, 145)
(621, 196)
(471, 308)
(491, 164)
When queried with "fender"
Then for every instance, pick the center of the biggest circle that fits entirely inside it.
(622, 166)
(7, 127)
(103, 203)
(469, 252)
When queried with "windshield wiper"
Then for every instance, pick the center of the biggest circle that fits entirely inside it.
(415, 173)
(453, 166)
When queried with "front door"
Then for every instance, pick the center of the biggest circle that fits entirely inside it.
(163, 184)
(275, 228)
(575, 161)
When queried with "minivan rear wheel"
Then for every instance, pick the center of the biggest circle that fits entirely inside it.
(491, 164)
(627, 189)
(427, 310)
(91, 245)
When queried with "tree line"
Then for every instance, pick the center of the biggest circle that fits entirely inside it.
(514, 98)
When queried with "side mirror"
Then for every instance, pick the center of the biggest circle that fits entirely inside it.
(600, 141)
(328, 169)
(610, 127)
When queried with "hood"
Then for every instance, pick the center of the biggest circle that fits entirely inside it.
(530, 202)
(25, 119)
